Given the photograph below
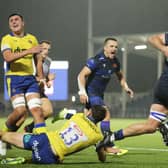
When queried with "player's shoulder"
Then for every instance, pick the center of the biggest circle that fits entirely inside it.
(97, 58)
(91, 62)
(6, 36)
(78, 117)
(100, 58)
(29, 35)
(79, 114)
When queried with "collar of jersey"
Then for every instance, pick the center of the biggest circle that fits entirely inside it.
(11, 33)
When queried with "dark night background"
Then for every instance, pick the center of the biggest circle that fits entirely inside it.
(64, 23)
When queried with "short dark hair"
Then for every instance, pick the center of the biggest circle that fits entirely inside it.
(15, 14)
(98, 112)
(45, 41)
(109, 38)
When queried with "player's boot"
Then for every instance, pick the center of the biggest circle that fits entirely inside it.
(163, 128)
(11, 161)
(116, 151)
(60, 115)
(107, 140)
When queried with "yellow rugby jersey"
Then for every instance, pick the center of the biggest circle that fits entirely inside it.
(76, 134)
(22, 66)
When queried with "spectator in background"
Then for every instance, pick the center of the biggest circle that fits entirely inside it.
(48, 77)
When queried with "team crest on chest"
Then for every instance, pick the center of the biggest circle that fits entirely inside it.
(114, 65)
(29, 41)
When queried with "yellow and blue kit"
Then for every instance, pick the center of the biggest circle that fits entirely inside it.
(76, 134)
(21, 70)
(22, 66)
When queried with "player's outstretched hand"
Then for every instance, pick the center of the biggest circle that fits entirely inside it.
(130, 92)
(101, 153)
(105, 142)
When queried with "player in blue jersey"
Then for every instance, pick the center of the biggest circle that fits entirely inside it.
(77, 133)
(159, 108)
(94, 77)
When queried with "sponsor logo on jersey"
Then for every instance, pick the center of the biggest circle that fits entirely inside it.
(29, 41)
(36, 150)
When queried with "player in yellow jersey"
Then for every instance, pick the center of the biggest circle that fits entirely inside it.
(76, 134)
(19, 51)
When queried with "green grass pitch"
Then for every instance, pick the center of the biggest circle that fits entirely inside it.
(144, 151)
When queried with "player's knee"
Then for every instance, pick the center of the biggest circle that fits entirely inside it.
(150, 128)
(37, 113)
(47, 111)
(24, 116)
(21, 110)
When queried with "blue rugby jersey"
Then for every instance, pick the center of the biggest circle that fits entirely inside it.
(102, 69)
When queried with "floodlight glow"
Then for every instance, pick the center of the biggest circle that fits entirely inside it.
(140, 47)
(73, 98)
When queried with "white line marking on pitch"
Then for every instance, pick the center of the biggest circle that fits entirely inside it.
(147, 149)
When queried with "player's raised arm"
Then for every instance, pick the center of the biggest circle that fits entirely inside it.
(84, 73)
(159, 41)
(124, 84)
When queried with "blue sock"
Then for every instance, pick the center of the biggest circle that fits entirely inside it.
(119, 135)
(105, 127)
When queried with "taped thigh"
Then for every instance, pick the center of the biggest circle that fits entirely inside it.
(34, 102)
(156, 115)
(18, 101)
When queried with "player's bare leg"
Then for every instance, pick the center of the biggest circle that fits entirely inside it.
(13, 138)
(101, 153)
(111, 149)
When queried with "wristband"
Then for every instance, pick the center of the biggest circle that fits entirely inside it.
(82, 92)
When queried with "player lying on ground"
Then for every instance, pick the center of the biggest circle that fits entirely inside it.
(68, 113)
(51, 146)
